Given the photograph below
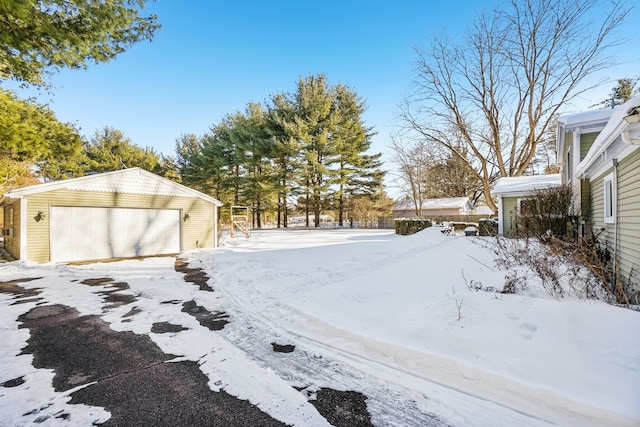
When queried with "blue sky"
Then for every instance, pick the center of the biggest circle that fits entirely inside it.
(211, 58)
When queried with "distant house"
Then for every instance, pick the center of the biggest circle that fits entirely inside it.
(119, 214)
(482, 210)
(600, 155)
(512, 192)
(433, 207)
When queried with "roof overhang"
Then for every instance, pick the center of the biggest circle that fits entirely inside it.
(127, 181)
(521, 185)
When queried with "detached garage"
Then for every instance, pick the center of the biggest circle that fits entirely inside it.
(121, 214)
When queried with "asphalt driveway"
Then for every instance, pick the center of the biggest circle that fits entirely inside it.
(129, 376)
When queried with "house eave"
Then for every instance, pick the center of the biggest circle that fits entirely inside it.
(621, 122)
(84, 183)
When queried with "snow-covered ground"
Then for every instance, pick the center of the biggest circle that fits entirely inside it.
(394, 317)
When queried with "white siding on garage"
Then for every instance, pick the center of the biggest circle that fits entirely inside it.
(94, 233)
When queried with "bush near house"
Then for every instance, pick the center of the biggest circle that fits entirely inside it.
(546, 212)
(547, 216)
(407, 226)
(487, 227)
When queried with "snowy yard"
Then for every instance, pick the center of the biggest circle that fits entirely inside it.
(390, 316)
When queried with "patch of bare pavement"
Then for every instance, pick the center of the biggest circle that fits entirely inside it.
(125, 373)
(128, 375)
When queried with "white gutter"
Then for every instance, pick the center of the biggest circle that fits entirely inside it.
(622, 120)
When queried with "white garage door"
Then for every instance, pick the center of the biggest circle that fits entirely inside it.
(81, 233)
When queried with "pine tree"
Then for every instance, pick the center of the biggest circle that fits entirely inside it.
(314, 122)
(285, 152)
(39, 36)
(109, 150)
(34, 143)
(357, 173)
(256, 145)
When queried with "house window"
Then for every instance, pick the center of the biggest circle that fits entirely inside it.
(569, 168)
(609, 200)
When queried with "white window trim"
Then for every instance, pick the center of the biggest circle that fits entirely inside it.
(609, 199)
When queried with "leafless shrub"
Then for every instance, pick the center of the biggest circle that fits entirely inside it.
(595, 256)
(557, 272)
(474, 285)
(546, 213)
(514, 283)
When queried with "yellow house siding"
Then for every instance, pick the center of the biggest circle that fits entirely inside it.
(586, 141)
(629, 216)
(597, 209)
(198, 230)
(199, 227)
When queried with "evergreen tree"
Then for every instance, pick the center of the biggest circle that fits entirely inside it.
(622, 92)
(109, 150)
(255, 144)
(314, 123)
(452, 176)
(357, 173)
(312, 143)
(34, 143)
(168, 168)
(223, 159)
(188, 161)
(285, 150)
(38, 36)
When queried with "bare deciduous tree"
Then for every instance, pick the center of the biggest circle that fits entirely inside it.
(497, 93)
(413, 163)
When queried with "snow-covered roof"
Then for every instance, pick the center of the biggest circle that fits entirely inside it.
(127, 181)
(525, 184)
(595, 119)
(611, 131)
(483, 210)
(592, 117)
(443, 203)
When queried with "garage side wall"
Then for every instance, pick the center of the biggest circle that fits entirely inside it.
(197, 230)
(12, 220)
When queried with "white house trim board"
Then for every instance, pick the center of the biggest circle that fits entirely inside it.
(500, 216)
(614, 128)
(23, 230)
(610, 199)
(583, 122)
(593, 173)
